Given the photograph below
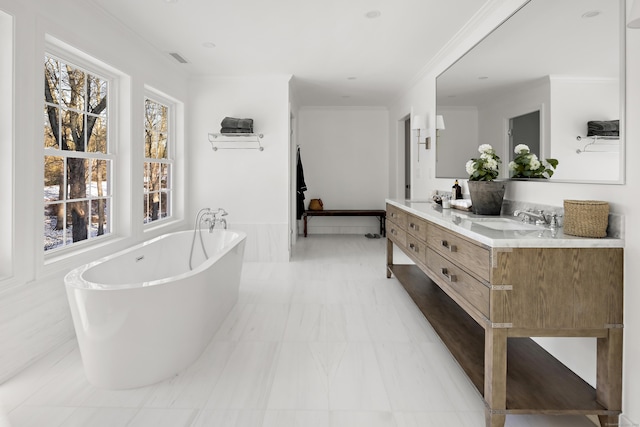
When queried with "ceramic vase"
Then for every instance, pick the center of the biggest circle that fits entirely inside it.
(486, 197)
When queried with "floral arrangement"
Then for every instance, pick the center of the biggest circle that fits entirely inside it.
(527, 164)
(485, 167)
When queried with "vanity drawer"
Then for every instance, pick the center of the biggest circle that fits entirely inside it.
(417, 227)
(474, 258)
(397, 216)
(473, 291)
(417, 248)
(396, 234)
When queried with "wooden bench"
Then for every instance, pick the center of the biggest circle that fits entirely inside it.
(381, 214)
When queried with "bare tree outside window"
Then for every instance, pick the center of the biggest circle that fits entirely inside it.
(157, 164)
(77, 161)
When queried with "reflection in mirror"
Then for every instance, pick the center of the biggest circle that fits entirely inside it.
(561, 60)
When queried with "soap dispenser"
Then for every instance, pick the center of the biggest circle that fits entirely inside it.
(456, 191)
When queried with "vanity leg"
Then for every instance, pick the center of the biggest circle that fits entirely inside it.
(389, 257)
(609, 375)
(609, 420)
(495, 376)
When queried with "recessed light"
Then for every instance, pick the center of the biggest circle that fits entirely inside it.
(483, 78)
(372, 14)
(171, 1)
(208, 45)
(591, 14)
(346, 96)
(351, 78)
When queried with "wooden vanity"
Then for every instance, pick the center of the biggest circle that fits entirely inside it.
(487, 300)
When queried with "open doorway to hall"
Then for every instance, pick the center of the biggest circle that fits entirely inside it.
(407, 158)
(524, 129)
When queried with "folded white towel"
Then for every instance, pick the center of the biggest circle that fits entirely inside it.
(462, 203)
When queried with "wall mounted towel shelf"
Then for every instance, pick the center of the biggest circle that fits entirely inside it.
(236, 141)
(597, 140)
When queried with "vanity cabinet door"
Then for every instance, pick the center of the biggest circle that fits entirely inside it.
(417, 227)
(417, 248)
(475, 259)
(397, 216)
(396, 234)
(455, 278)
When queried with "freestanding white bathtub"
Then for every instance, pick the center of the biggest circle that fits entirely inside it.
(141, 315)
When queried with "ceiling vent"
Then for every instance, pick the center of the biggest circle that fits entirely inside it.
(178, 58)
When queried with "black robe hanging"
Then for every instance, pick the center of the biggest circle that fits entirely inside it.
(301, 187)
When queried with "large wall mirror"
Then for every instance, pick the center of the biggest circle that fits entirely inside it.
(538, 79)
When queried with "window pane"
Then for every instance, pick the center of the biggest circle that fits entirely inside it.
(164, 177)
(98, 186)
(77, 170)
(147, 177)
(52, 79)
(51, 114)
(162, 145)
(78, 220)
(99, 216)
(73, 131)
(97, 128)
(53, 226)
(147, 208)
(164, 205)
(97, 94)
(72, 86)
(53, 178)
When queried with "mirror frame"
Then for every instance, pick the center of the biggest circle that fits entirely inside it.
(545, 145)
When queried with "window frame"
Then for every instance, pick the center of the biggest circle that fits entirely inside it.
(95, 67)
(7, 145)
(170, 160)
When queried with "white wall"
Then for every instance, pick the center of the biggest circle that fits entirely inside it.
(573, 106)
(571, 351)
(34, 315)
(252, 185)
(460, 137)
(344, 154)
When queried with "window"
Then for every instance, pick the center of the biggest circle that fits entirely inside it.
(157, 161)
(78, 159)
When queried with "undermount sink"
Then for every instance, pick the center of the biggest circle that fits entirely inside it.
(505, 224)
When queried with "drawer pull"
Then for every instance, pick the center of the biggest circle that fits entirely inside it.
(414, 248)
(449, 277)
(452, 248)
(393, 215)
(413, 226)
(394, 232)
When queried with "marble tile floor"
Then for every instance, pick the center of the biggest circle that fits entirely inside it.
(325, 340)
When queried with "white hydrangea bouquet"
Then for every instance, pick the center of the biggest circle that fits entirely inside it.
(486, 167)
(527, 164)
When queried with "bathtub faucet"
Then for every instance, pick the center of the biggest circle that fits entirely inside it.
(215, 217)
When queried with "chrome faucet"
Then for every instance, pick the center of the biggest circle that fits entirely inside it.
(216, 218)
(540, 218)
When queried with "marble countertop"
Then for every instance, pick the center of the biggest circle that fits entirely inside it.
(469, 225)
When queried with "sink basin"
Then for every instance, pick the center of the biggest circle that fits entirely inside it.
(504, 224)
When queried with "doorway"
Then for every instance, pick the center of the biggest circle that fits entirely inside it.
(407, 158)
(524, 129)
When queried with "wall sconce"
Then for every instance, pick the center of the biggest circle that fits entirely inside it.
(419, 122)
(439, 125)
(634, 15)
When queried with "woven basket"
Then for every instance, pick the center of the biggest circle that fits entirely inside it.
(586, 218)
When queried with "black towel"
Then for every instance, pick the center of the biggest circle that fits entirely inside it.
(603, 128)
(228, 131)
(233, 123)
(301, 187)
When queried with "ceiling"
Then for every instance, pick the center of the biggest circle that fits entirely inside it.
(570, 38)
(337, 54)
